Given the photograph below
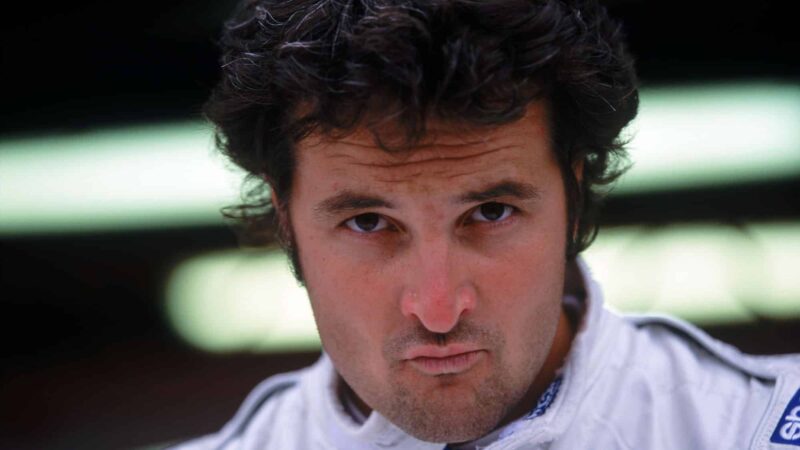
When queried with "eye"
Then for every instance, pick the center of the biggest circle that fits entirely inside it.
(367, 223)
(491, 212)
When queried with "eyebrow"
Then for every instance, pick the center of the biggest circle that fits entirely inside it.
(522, 191)
(349, 201)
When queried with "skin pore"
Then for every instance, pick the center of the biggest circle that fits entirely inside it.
(436, 276)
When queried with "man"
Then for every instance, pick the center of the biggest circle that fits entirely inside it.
(432, 168)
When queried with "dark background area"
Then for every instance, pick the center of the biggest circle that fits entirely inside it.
(88, 360)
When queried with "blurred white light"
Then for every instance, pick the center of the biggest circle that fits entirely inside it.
(114, 179)
(240, 300)
(706, 274)
(706, 135)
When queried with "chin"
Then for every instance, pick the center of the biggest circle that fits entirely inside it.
(454, 426)
(451, 415)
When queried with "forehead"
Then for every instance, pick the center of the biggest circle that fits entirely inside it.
(448, 153)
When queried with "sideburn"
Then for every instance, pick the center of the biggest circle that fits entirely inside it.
(286, 239)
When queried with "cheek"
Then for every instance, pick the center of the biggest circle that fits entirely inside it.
(525, 307)
(531, 261)
(349, 304)
(348, 311)
(523, 289)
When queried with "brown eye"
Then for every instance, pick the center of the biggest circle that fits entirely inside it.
(366, 223)
(491, 212)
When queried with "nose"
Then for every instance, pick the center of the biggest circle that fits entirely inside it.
(437, 292)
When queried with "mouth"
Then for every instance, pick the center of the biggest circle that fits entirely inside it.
(436, 361)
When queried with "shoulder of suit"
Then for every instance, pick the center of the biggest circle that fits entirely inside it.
(266, 405)
(669, 331)
(774, 378)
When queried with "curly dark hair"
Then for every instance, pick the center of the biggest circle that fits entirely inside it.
(292, 67)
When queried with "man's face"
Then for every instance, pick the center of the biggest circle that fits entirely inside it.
(435, 276)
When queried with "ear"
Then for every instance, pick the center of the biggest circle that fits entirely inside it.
(274, 199)
(577, 170)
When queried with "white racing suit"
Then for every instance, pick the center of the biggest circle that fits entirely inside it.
(639, 383)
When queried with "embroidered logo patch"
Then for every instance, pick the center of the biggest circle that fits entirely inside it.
(545, 400)
(788, 430)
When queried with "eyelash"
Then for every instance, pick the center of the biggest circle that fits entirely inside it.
(347, 223)
(508, 214)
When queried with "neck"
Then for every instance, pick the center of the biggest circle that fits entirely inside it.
(562, 342)
(347, 395)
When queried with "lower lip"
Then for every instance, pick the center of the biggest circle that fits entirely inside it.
(448, 365)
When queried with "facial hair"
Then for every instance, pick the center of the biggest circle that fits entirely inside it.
(457, 409)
